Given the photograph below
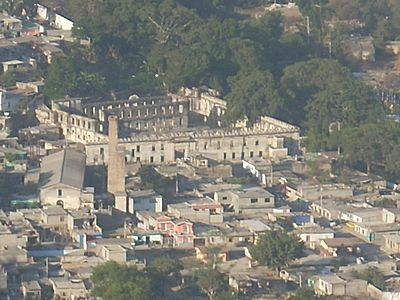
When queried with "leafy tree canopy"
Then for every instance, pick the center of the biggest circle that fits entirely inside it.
(114, 281)
(277, 249)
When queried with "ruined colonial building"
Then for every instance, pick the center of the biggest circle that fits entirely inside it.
(159, 130)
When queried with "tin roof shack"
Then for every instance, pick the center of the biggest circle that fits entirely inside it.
(340, 246)
(69, 288)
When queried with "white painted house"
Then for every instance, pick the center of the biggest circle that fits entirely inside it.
(61, 179)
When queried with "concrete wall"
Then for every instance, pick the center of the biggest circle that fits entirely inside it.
(153, 204)
(77, 128)
(117, 254)
(63, 23)
(388, 216)
(166, 150)
(11, 241)
(42, 12)
(8, 101)
(69, 196)
(243, 204)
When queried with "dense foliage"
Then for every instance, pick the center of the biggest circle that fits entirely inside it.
(114, 281)
(373, 145)
(151, 179)
(211, 282)
(149, 47)
(373, 276)
(119, 282)
(277, 249)
(304, 293)
(152, 47)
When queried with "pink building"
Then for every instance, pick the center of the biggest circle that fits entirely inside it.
(176, 232)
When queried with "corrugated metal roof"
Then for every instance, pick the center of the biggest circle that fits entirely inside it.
(63, 167)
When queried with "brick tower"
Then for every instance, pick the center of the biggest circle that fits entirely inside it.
(116, 166)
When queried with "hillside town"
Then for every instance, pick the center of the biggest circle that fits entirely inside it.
(178, 189)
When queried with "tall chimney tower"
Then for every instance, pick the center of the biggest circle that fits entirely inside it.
(116, 166)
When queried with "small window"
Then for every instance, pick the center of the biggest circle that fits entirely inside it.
(101, 151)
(254, 200)
(260, 154)
(267, 200)
(224, 155)
(233, 155)
(59, 192)
(153, 148)
(151, 159)
(162, 147)
(137, 148)
(225, 198)
(133, 152)
(62, 219)
(251, 154)
(257, 143)
(162, 158)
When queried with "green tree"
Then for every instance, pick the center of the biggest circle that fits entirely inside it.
(12, 7)
(373, 276)
(165, 271)
(210, 281)
(67, 76)
(114, 281)
(316, 103)
(253, 94)
(8, 79)
(304, 293)
(277, 249)
(386, 203)
(226, 295)
(151, 179)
